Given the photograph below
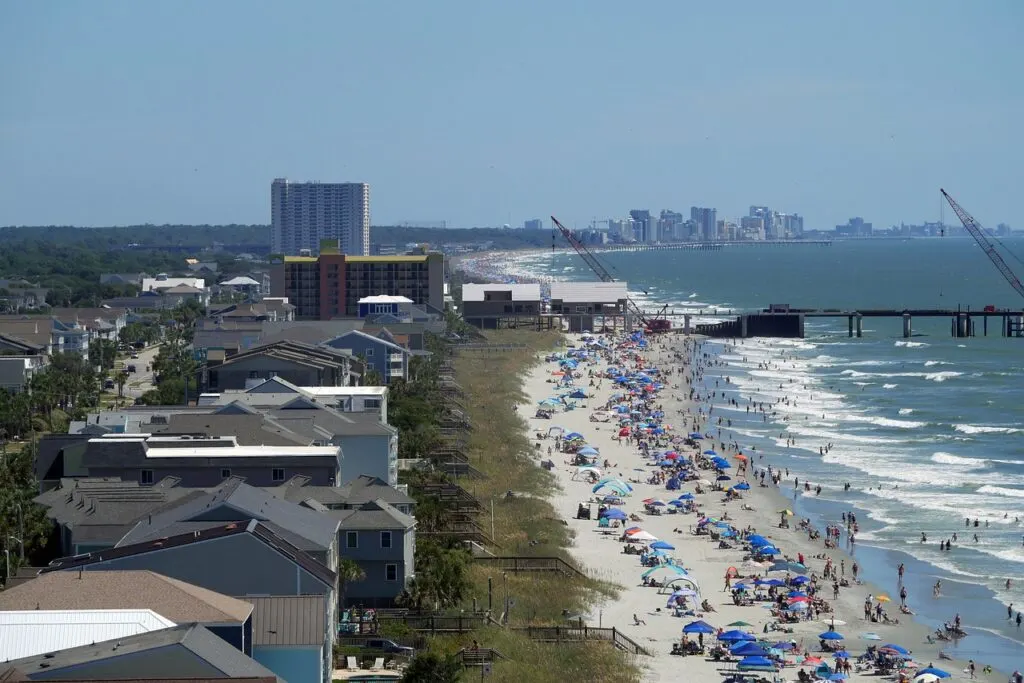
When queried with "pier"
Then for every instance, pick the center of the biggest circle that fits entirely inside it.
(783, 321)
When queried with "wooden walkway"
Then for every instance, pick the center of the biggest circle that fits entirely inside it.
(524, 563)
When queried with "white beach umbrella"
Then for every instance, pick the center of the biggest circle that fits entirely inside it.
(926, 678)
(643, 536)
(836, 622)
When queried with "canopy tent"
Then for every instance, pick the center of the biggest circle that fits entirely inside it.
(699, 627)
(676, 581)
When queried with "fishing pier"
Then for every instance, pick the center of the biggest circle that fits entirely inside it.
(786, 322)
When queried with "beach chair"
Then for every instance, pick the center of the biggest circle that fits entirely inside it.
(378, 663)
(604, 523)
(351, 664)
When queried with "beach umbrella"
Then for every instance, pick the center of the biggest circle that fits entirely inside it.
(696, 436)
(758, 538)
(797, 580)
(710, 452)
(842, 654)
(796, 594)
(738, 624)
(802, 598)
(657, 503)
(926, 678)
(883, 598)
(783, 646)
(686, 496)
(735, 636)
(662, 545)
(784, 566)
(631, 530)
(798, 606)
(832, 623)
(898, 649)
(642, 536)
(830, 635)
(742, 486)
(939, 673)
(676, 503)
(770, 582)
(787, 512)
(723, 477)
(811, 660)
(614, 513)
(698, 627)
(624, 431)
(588, 450)
(767, 550)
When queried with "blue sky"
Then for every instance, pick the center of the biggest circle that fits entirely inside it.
(481, 113)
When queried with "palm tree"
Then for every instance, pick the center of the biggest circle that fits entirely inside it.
(349, 572)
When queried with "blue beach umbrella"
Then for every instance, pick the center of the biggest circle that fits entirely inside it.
(797, 580)
(614, 513)
(676, 503)
(710, 452)
(742, 486)
(698, 627)
(758, 539)
(895, 648)
(734, 636)
(830, 635)
(686, 496)
(696, 436)
(842, 654)
(723, 477)
(767, 550)
(662, 545)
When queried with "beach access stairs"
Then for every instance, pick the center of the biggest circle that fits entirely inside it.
(583, 634)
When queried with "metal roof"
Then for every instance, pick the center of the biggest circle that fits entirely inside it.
(125, 590)
(520, 292)
(289, 620)
(198, 647)
(33, 632)
(588, 292)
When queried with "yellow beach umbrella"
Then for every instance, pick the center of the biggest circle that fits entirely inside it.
(788, 513)
(883, 598)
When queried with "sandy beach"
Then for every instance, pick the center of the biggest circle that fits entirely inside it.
(642, 611)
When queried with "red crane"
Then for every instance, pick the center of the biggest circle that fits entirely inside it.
(655, 324)
(985, 243)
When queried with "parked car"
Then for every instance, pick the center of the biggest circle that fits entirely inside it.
(388, 646)
(131, 368)
(134, 355)
(108, 383)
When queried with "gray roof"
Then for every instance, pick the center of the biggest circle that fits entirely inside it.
(235, 501)
(216, 656)
(309, 331)
(373, 516)
(250, 429)
(327, 421)
(288, 620)
(358, 492)
(102, 510)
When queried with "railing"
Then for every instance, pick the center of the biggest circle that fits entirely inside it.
(478, 656)
(582, 634)
(525, 563)
(430, 623)
(488, 348)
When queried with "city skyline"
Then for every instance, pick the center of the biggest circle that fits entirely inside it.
(445, 123)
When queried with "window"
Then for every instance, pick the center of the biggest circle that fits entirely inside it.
(278, 474)
(225, 473)
(146, 476)
(369, 353)
(371, 403)
(391, 572)
(253, 374)
(352, 539)
(385, 539)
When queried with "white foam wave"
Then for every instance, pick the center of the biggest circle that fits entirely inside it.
(904, 411)
(1002, 491)
(930, 363)
(883, 421)
(891, 386)
(957, 460)
(985, 429)
(942, 376)
(911, 344)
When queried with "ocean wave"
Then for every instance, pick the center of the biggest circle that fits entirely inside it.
(883, 421)
(957, 460)
(930, 363)
(942, 376)
(911, 344)
(890, 386)
(1001, 491)
(985, 429)
(904, 411)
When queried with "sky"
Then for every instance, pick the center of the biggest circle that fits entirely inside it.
(485, 113)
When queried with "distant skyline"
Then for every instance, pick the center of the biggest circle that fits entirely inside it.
(483, 114)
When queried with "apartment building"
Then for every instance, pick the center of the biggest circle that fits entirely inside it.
(304, 214)
(331, 284)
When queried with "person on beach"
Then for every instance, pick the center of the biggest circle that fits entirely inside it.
(937, 588)
(899, 571)
(903, 596)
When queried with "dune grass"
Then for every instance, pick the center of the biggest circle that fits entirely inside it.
(525, 524)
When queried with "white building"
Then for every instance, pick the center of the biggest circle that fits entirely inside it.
(35, 632)
(303, 214)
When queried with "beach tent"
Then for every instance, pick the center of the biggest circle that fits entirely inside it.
(587, 469)
(745, 648)
(676, 581)
(736, 636)
(758, 539)
(642, 537)
(756, 663)
(698, 627)
(556, 431)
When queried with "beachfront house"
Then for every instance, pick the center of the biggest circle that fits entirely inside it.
(490, 306)
(582, 304)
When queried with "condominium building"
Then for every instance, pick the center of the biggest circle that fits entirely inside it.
(303, 214)
(331, 284)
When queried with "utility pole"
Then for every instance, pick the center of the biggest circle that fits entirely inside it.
(21, 531)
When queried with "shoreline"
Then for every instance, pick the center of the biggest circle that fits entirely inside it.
(706, 563)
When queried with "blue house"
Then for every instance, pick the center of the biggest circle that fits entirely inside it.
(385, 357)
(290, 637)
(399, 307)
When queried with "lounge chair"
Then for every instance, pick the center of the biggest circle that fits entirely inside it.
(378, 663)
(352, 664)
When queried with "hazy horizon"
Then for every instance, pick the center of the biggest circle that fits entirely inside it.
(480, 115)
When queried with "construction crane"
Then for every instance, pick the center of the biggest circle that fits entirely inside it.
(655, 324)
(984, 242)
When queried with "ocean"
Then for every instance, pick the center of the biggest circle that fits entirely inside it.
(927, 431)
